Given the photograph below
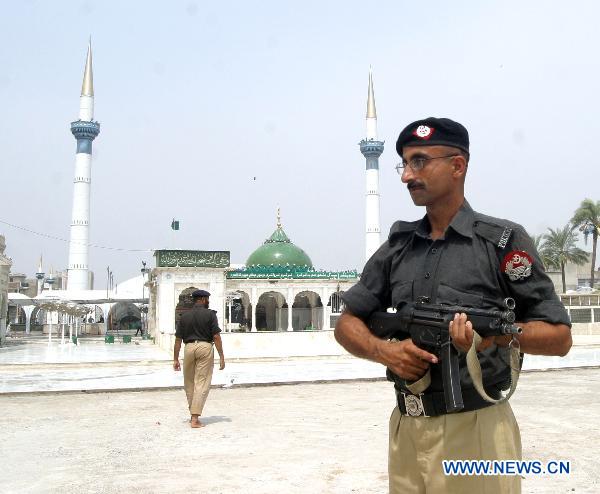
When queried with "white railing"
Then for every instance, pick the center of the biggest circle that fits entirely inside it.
(580, 300)
(582, 308)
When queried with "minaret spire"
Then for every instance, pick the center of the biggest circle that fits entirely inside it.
(279, 225)
(86, 100)
(87, 88)
(371, 148)
(371, 111)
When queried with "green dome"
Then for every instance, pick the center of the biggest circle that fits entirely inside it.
(278, 250)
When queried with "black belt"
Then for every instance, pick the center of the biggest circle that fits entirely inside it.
(196, 341)
(434, 404)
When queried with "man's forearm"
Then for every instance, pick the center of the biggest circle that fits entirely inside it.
(352, 333)
(176, 348)
(542, 338)
(219, 346)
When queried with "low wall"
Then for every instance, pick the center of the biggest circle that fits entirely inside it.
(267, 344)
(88, 328)
(586, 328)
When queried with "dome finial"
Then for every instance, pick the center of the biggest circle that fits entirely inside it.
(279, 225)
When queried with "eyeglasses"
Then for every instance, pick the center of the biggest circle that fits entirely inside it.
(417, 164)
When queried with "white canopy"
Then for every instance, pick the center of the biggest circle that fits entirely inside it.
(20, 299)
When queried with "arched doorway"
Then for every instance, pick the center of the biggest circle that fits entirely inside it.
(271, 312)
(337, 307)
(307, 312)
(124, 316)
(16, 315)
(241, 311)
(96, 314)
(17, 319)
(38, 317)
(185, 303)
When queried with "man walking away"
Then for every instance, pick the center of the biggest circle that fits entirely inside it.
(198, 329)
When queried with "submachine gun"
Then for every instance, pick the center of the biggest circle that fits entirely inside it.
(428, 326)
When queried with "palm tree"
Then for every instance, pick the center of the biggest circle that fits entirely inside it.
(540, 247)
(537, 241)
(587, 218)
(559, 247)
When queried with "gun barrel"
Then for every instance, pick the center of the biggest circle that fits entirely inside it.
(511, 329)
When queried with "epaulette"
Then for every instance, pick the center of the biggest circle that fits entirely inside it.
(402, 230)
(494, 230)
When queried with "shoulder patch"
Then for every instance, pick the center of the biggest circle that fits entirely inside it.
(517, 265)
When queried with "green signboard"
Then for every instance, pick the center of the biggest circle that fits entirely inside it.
(191, 259)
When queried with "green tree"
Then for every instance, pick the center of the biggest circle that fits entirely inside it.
(559, 248)
(540, 246)
(587, 219)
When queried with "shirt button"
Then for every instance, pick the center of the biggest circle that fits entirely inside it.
(427, 276)
(434, 250)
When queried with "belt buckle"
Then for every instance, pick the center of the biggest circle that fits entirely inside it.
(414, 405)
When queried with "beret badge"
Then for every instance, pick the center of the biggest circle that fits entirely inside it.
(423, 132)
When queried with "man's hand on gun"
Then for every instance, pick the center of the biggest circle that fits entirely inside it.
(411, 362)
(444, 330)
(406, 359)
(461, 332)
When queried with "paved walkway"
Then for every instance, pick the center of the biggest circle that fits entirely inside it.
(91, 366)
(303, 439)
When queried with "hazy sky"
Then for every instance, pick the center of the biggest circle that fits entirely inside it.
(195, 99)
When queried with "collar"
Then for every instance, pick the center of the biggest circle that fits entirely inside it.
(462, 223)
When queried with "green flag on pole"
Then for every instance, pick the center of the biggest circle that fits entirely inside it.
(175, 224)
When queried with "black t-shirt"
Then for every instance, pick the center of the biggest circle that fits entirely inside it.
(200, 323)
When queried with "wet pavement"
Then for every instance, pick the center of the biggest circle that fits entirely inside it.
(35, 366)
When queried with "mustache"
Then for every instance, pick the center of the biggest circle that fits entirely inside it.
(413, 184)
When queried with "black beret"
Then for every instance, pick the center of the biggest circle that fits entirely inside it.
(434, 132)
(200, 294)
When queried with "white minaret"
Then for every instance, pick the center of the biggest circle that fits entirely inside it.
(40, 277)
(371, 148)
(85, 131)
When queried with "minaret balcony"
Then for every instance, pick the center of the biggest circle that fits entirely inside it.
(85, 130)
(371, 148)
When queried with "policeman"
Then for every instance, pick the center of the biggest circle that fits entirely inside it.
(198, 329)
(456, 256)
